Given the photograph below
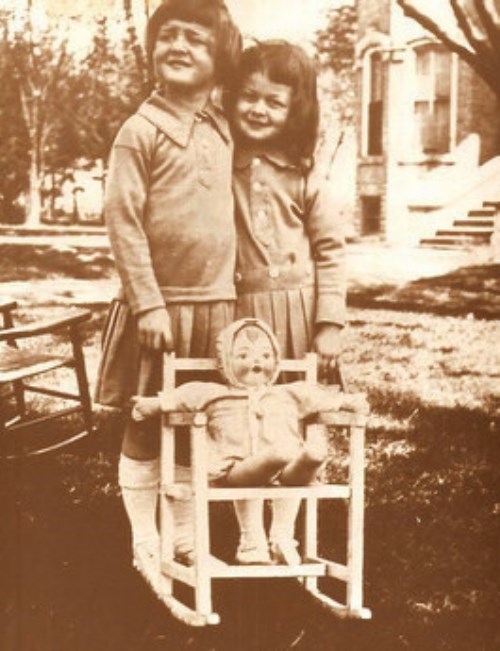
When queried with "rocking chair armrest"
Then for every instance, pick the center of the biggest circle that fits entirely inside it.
(174, 418)
(46, 327)
(342, 418)
(7, 306)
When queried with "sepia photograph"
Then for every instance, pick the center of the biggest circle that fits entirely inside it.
(249, 325)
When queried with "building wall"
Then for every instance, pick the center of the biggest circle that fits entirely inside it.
(412, 184)
(479, 112)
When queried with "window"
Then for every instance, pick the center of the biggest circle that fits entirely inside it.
(432, 99)
(375, 105)
(370, 215)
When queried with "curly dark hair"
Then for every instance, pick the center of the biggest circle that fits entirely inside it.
(284, 63)
(210, 13)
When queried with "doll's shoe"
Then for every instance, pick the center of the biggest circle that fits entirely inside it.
(184, 557)
(147, 562)
(253, 555)
(284, 552)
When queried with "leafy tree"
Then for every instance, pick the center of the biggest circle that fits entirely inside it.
(477, 39)
(335, 54)
(41, 66)
(14, 144)
(107, 89)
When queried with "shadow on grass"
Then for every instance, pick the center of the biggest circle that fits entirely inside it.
(432, 524)
(473, 290)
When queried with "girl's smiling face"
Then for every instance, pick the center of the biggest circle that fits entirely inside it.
(262, 109)
(253, 359)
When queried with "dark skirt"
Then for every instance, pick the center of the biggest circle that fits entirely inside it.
(125, 370)
(289, 313)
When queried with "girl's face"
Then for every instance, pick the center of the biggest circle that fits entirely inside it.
(183, 56)
(253, 360)
(262, 109)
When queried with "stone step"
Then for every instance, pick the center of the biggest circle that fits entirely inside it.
(475, 223)
(472, 233)
(492, 204)
(442, 243)
(481, 212)
(449, 242)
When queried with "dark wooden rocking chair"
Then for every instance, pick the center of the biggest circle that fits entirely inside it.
(19, 363)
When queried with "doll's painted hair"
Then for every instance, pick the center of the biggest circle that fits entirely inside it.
(284, 63)
(209, 13)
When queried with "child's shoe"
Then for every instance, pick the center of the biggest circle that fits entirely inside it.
(284, 552)
(147, 561)
(253, 554)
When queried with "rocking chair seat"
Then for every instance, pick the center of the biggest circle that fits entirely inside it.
(17, 364)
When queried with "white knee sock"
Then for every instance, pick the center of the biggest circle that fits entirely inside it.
(139, 482)
(250, 516)
(285, 512)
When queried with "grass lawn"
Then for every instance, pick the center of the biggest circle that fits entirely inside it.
(432, 510)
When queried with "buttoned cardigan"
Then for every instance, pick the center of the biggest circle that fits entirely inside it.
(289, 234)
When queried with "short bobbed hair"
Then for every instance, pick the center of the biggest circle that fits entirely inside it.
(210, 13)
(284, 63)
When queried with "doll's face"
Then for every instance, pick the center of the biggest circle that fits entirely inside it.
(253, 359)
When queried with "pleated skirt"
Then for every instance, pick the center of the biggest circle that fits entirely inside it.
(126, 370)
(290, 314)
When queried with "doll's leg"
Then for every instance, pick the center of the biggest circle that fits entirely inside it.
(303, 468)
(258, 469)
(283, 546)
(252, 547)
(253, 471)
(183, 515)
(300, 471)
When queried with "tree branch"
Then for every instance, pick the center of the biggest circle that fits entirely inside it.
(466, 54)
(491, 28)
(465, 23)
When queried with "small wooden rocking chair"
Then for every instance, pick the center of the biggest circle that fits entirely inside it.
(208, 567)
(19, 363)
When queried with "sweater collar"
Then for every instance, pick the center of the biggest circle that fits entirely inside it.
(243, 157)
(176, 120)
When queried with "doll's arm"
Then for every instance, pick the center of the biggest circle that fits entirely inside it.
(192, 396)
(145, 407)
(316, 398)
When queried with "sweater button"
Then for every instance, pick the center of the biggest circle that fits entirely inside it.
(256, 162)
(274, 272)
(238, 277)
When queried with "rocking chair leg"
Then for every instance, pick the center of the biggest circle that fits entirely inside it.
(81, 375)
(355, 526)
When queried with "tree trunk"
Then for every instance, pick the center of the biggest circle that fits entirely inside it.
(34, 207)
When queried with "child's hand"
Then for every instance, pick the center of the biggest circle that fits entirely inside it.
(154, 330)
(145, 407)
(328, 345)
(356, 402)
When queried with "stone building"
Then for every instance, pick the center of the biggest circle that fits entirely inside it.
(428, 131)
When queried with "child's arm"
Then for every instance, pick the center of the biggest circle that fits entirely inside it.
(326, 237)
(125, 202)
(127, 189)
